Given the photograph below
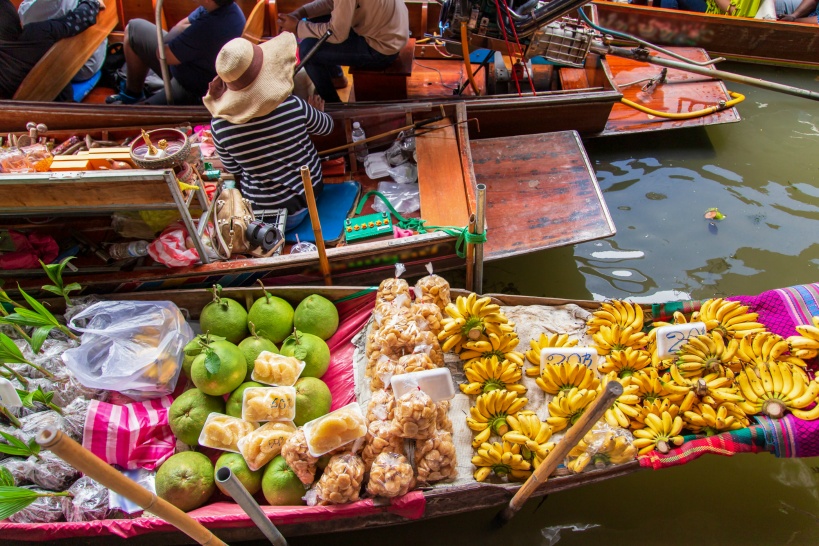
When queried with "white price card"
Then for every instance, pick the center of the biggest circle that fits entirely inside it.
(437, 383)
(671, 338)
(8, 394)
(556, 356)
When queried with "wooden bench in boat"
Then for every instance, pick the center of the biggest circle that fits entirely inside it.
(387, 84)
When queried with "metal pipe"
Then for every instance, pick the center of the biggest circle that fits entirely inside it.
(243, 498)
(310, 53)
(480, 219)
(160, 40)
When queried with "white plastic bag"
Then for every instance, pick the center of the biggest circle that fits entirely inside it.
(133, 347)
(405, 198)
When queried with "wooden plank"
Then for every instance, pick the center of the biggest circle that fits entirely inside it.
(541, 193)
(573, 78)
(254, 26)
(440, 178)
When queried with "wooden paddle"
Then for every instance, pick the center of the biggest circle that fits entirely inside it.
(605, 399)
(324, 263)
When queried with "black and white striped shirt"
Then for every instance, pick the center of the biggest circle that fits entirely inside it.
(269, 151)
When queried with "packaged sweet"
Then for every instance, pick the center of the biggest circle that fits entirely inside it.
(341, 481)
(416, 362)
(442, 420)
(19, 468)
(38, 157)
(381, 406)
(224, 432)
(383, 371)
(88, 501)
(415, 415)
(601, 446)
(335, 429)
(389, 289)
(435, 458)
(275, 369)
(269, 404)
(427, 342)
(50, 472)
(391, 476)
(380, 438)
(400, 335)
(42, 510)
(12, 160)
(428, 317)
(298, 458)
(432, 289)
(263, 444)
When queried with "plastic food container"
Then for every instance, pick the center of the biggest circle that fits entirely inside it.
(263, 444)
(335, 429)
(224, 432)
(269, 404)
(436, 383)
(275, 369)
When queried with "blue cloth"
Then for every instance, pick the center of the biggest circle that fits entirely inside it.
(81, 89)
(334, 204)
(686, 5)
(199, 44)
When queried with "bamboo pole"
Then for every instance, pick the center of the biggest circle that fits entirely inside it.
(470, 257)
(592, 414)
(382, 135)
(324, 263)
(480, 222)
(86, 462)
(244, 499)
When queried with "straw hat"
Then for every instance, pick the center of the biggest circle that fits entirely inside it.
(252, 79)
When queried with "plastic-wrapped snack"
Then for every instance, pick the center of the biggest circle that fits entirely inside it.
(416, 362)
(335, 429)
(269, 404)
(224, 432)
(75, 414)
(68, 388)
(383, 309)
(380, 438)
(427, 342)
(442, 420)
(341, 481)
(42, 510)
(395, 338)
(428, 317)
(389, 289)
(89, 501)
(435, 458)
(381, 406)
(298, 458)
(602, 445)
(383, 371)
(263, 444)
(415, 415)
(20, 469)
(432, 289)
(274, 369)
(391, 475)
(52, 473)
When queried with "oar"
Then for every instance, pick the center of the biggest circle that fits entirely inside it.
(324, 263)
(592, 414)
(349, 145)
(312, 51)
(244, 499)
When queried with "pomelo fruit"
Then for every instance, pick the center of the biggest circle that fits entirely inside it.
(272, 317)
(218, 376)
(313, 399)
(280, 485)
(192, 350)
(316, 315)
(224, 317)
(311, 349)
(188, 413)
(186, 480)
(234, 401)
(251, 479)
(253, 346)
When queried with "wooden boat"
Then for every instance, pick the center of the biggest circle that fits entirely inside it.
(541, 193)
(736, 38)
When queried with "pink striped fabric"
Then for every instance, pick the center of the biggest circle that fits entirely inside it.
(135, 435)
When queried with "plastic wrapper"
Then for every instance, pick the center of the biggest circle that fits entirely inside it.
(435, 458)
(12, 160)
(601, 446)
(67, 388)
(131, 347)
(404, 174)
(341, 481)
(224, 432)
(427, 342)
(380, 438)
(381, 406)
(19, 468)
(52, 473)
(404, 198)
(88, 503)
(275, 369)
(391, 476)
(432, 289)
(428, 316)
(335, 429)
(49, 358)
(415, 415)
(38, 156)
(298, 458)
(263, 444)
(131, 225)
(442, 420)
(42, 510)
(391, 288)
(269, 404)
(416, 362)
(383, 371)
(397, 336)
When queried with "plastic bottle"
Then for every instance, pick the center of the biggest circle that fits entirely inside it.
(134, 249)
(361, 149)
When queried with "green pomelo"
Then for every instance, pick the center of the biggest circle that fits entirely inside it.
(280, 485)
(313, 399)
(231, 372)
(251, 479)
(186, 480)
(252, 347)
(188, 413)
(311, 349)
(193, 349)
(272, 317)
(234, 401)
(316, 315)
(225, 317)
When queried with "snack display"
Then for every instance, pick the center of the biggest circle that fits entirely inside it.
(381, 406)
(415, 415)
(427, 316)
(383, 371)
(341, 481)
(394, 338)
(391, 475)
(335, 429)
(432, 289)
(380, 438)
(224, 432)
(263, 444)
(275, 369)
(416, 362)
(391, 289)
(269, 404)
(442, 420)
(435, 458)
(298, 457)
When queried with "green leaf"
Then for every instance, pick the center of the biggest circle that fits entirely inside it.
(26, 398)
(9, 508)
(41, 396)
(9, 352)
(300, 353)
(39, 308)
(34, 447)
(53, 289)
(38, 337)
(14, 446)
(212, 362)
(52, 270)
(71, 287)
(24, 317)
(6, 479)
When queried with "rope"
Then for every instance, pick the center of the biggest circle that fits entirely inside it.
(463, 234)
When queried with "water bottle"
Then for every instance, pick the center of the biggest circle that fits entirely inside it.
(360, 149)
(134, 249)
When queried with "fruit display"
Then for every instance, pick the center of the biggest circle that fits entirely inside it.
(275, 369)
(533, 435)
(224, 432)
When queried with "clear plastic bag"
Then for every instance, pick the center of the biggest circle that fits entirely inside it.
(601, 446)
(88, 503)
(341, 481)
(428, 316)
(50, 472)
(391, 475)
(393, 287)
(42, 510)
(435, 458)
(381, 406)
(415, 416)
(263, 444)
(405, 198)
(433, 289)
(380, 438)
(297, 456)
(406, 173)
(131, 347)
(19, 468)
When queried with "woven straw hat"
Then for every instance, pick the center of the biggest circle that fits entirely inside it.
(252, 79)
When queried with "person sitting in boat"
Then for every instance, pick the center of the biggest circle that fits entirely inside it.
(260, 129)
(191, 47)
(737, 8)
(367, 34)
(685, 5)
(22, 46)
(805, 11)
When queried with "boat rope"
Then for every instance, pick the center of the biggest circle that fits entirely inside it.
(736, 98)
(463, 234)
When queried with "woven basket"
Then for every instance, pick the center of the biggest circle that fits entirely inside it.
(178, 147)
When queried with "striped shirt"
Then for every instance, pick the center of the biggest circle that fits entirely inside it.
(268, 152)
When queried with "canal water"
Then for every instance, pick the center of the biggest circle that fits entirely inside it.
(762, 175)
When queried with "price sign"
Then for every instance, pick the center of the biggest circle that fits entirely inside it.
(671, 338)
(555, 356)
(8, 394)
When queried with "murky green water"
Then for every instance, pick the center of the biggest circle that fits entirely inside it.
(761, 173)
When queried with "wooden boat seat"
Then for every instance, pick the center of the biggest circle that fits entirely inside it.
(254, 26)
(65, 58)
(387, 84)
(573, 78)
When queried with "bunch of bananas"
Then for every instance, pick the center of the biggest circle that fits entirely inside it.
(775, 387)
(704, 354)
(469, 318)
(618, 338)
(704, 419)
(660, 433)
(616, 312)
(504, 459)
(487, 374)
(544, 342)
(730, 318)
(806, 344)
(652, 386)
(761, 348)
(533, 435)
(625, 363)
(502, 347)
(627, 405)
(601, 446)
(656, 408)
(490, 413)
(557, 378)
(567, 407)
(713, 388)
